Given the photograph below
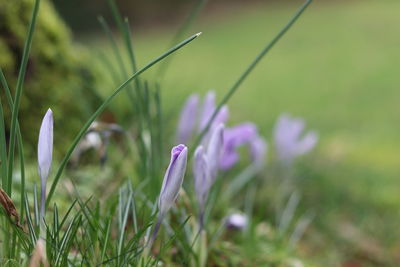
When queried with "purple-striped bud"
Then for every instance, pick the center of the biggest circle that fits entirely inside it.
(289, 141)
(173, 179)
(214, 149)
(187, 120)
(202, 177)
(45, 154)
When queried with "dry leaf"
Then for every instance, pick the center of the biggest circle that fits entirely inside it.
(9, 206)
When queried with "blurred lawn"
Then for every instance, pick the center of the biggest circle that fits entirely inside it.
(338, 67)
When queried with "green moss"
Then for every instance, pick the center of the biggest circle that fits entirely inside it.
(56, 76)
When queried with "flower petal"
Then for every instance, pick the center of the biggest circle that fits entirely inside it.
(45, 146)
(173, 178)
(187, 119)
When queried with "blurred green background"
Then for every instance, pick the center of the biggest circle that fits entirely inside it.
(338, 68)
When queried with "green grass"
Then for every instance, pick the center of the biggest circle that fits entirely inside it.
(337, 68)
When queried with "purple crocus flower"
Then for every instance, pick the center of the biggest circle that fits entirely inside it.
(209, 109)
(242, 134)
(202, 178)
(45, 154)
(214, 149)
(173, 178)
(205, 167)
(289, 140)
(187, 120)
(192, 117)
(172, 183)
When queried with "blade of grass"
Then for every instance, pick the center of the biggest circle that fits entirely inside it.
(300, 228)
(250, 68)
(36, 206)
(104, 105)
(19, 140)
(3, 149)
(123, 225)
(106, 238)
(288, 213)
(18, 93)
(67, 238)
(237, 183)
(124, 28)
(32, 233)
(118, 55)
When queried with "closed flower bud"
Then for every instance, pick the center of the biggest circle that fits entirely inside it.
(187, 120)
(173, 179)
(214, 149)
(202, 178)
(45, 155)
(45, 145)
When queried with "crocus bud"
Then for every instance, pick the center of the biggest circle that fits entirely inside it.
(45, 154)
(187, 120)
(173, 179)
(45, 145)
(214, 150)
(202, 178)
(172, 183)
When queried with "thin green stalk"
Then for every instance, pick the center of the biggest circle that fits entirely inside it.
(250, 68)
(20, 143)
(18, 93)
(101, 108)
(107, 63)
(141, 103)
(22, 168)
(107, 237)
(124, 28)
(118, 55)
(3, 149)
(137, 102)
(123, 226)
(129, 46)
